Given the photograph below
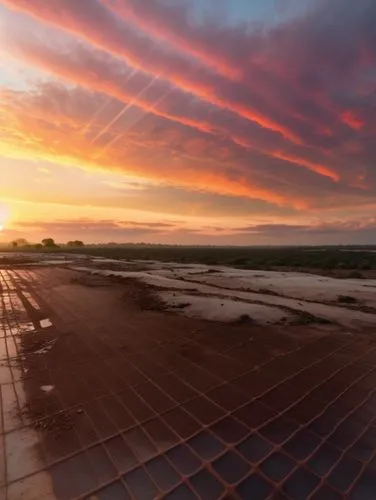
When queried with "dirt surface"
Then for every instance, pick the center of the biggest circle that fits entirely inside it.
(106, 395)
(267, 297)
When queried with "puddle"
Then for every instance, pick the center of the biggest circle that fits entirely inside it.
(20, 442)
(30, 299)
(47, 388)
(36, 487)
(3, 349)
(103, 260)
(26, 327)
(12, 347)
(51, 262)
(45, 323)
(47, 347)
(22, 456)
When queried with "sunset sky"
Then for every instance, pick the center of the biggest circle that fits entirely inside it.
(188, 121)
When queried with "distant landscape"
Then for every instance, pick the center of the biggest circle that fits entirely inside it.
(340, 260)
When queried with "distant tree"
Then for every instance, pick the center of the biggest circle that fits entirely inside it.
(75, 243)
(20, 242)
(38, 246)
(49, 243)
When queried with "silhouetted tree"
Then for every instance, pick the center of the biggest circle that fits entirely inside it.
(49, 243)
(20, 242)
(75, 243)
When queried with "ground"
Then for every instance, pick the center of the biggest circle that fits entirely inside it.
(112, 387)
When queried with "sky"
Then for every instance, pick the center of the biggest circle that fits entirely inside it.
(188, 121)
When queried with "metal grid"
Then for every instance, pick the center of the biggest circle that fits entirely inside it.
(178, 412)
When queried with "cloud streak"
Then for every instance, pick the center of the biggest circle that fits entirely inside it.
(91, 21)
(347, 226)
(111, 78)
(29, 130)
(48, 122)
(360, 231)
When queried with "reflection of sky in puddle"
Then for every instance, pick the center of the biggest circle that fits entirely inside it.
(13, 400)
(20, 439)
(31, 300)
(47, 347)
(17, 318)
(26, 327)
(45, 323)
(12, 347)
(3, 349)
(47, 388)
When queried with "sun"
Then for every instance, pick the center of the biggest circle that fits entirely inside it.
(1, 227)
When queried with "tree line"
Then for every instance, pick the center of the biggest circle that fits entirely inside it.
(45, 243)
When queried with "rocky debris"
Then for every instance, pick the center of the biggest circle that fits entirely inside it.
(305, 318)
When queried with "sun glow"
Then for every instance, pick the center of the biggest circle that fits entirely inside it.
(4, 215)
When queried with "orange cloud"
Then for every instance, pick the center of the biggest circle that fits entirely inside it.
(27, 134)
(99, 73)
(319, 169)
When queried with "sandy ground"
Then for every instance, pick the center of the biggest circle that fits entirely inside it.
(266, 297)
(229, 295)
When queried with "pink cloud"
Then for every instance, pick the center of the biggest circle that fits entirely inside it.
(110, 77)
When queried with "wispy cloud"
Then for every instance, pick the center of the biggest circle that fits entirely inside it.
(164, 154)
(89, 225)
(347, 226)
(94, 23)
(360, 231)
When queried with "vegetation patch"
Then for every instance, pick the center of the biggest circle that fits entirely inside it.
(244, 318)
(347, 299)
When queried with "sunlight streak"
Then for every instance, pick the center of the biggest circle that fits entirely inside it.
(126, 107)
